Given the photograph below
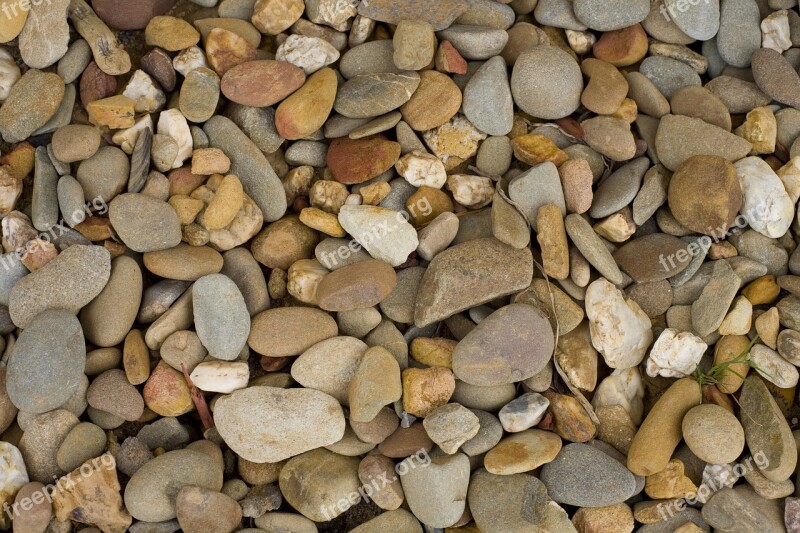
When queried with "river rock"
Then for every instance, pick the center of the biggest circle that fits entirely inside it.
(220, 316)
(283, 418)
(546, 82)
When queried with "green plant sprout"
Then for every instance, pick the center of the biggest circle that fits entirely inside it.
(717, 372)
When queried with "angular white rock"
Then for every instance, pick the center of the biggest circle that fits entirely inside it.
(580, 41)
(9, 73)
(624, 387)
(221, 376)
(773, 367)
(189, 59)
(775, 31)
(147, 96)
(471, 191)
(172, 123)
(13, 474)
(126, 139)
(766, 206)
(384, 233)
(333, 13)
(422, 169)
(739, 319)
(308, 53)
(303, 278)
(675, 354)
(360, 31)
(524, 412)
(620, 329)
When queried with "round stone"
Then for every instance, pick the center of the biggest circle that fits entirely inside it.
(713, 434)
(144, 223)
(286, 331)
(547, 82)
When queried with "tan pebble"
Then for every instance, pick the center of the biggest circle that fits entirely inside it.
(763, 290)
(618, 518)
(670, 482)
(170, 33)
(271, 17)
(225, 50)
(225, 205)
(606, 89)
(307, 109)
(414, 44)
(206, 161)
(166, 392)
(187, 208)
(767, 325)
(627, 111)
(436, 100)
(320, 220)
(728, 348)
(570, 420)
(425, 389)
(136, 358)
(552, 238)
(576, 180)
(374, 193)
(283, 242)
(115, 112)
(433, 351)
(328, 195)
(533, 149)
(722, 250)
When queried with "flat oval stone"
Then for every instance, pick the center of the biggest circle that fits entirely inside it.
(713, 433)
(199, 94)
(547, 82)
(144, 223)
(678, 138)
(150, 493)
(470, 274)
(584, 476)
(653, 257)
(771, 75)
(436, 494)
(329, 365)
(220, 316)
(739, 34)
(514, 502)
(371, 95)
(619, 189)
(373, 57)
(268, 424)
(70, 281)
(83, 442)
(184, 262)
(766, 430)
(701, 22)
(668, 74)
(475, 42)
(33, 99)
(512, 344)
(47, 362)
(358, 286)
(357, 160)
(261, 83)
(700, 102)
(109, 317)
(307, 109)
(608, 15)
(286, 331)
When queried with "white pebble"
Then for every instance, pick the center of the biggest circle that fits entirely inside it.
(675, 354)
(221, 376)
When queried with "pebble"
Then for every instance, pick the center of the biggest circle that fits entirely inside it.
(524, 412)
(668, 75)
(546, 83)
(40, 441)
(578, 472)
(219, 306)
(268, 330)
(414, 44)
(739, 33)
(33, 100)
(436, 100)
(437, 493)
(306, 110)
(489, 84)
(592, 247)
(36, 384)
(697, 138)
(201, 509)
(144, 224)
(385, 234)
(150, 493)
(759, 189)
(244, 83)
(713, 433)
(170, 33)
(75, 142)
(506, 337)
